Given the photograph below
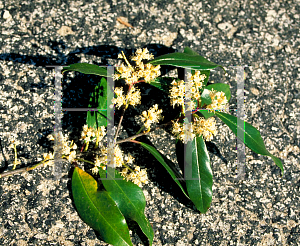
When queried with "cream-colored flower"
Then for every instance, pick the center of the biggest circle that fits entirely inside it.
(205, 127)
(151, 116)
(141, 70)
(137, 177)
(94, 170)
(190, 89)
(219, 101)
(72, 156)
(134, 96)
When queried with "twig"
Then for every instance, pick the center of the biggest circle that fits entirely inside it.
(124, 22)
(21, 170)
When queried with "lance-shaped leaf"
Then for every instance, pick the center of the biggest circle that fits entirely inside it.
(168, 165)
(98, 100)
(252, 137)
(99, 210)
(86, 69)
(198, 174)
(189, 51)
(185, 60)
(129, 198)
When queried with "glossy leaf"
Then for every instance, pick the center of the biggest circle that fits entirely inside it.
(252, 137)
(205, 97)
(198, 174)
(189, 51)
(205, 113)
(99, 210)
(86, 69)
(129, 198)
(185, 60)
(98, 100)
(168, 165)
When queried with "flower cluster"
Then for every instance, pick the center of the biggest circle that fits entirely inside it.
(141, 70)
(101, 161)
(133, 97)
(151, 116)
(119, 159)
(178, 90)
(219, 101)
(200, 126)
(89, 133)
(137, 177)
(205, 127)
(66, 149)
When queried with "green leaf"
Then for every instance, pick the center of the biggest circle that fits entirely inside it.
(205, 97)
(220, 87)
(189, 51)
(86, 69)
(184, 60)
(168, 165)
(99, 210)
(129, 198)
(252, 137)
(98, 100)
(205, 113)
(198, 174)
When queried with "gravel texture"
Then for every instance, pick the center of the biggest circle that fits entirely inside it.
(262, 209)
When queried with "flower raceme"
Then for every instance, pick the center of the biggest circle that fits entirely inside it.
(131, 74)
(219, 101)
(133, 97)
(194, 84)
(151, 116)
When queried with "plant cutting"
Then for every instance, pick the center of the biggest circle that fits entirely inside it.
(112, 193)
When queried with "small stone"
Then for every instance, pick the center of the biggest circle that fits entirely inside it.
(6, 15)
(225, 26)
(65, 30)
(218, 18)
(254, 91)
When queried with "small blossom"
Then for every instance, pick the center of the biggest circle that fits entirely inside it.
(219, 101)
(141, 70)
(181, 89)
(205, 127)
(151, 116)
(137, 177)
(72, 156)
(94, 170)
